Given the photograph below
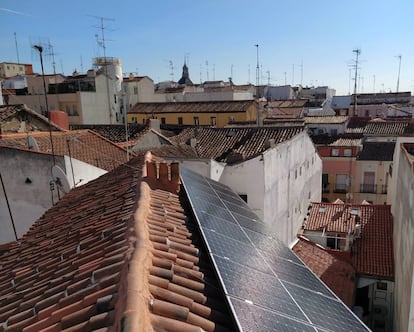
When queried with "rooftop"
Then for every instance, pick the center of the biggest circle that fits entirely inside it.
(339, 119)
(97, 260)
(372, 249)
(235, 144)
(115, 133)
(25, 114)
(336, 273)
(84, 145)
(193, 107)
(385, 128)
(381, 151)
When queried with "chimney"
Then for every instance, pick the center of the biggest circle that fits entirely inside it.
(163, 175)
(154, 124)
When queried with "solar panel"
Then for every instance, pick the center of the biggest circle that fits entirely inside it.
(267, 286)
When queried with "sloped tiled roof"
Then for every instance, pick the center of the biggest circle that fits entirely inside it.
(193, 107)
(235, 144)
(383, 151)
(84, 145)
(372, 252)
(326, 119)
(102, 260)
(386, 128)
(284, 112)
(342, 141)
(9, 111)
(337, 274)
(356, 125)
(114, 133)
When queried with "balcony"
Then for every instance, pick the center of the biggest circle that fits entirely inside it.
(340, 188)
(368, 188)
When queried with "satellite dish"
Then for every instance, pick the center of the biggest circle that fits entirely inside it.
(32, 143)
(60, 178)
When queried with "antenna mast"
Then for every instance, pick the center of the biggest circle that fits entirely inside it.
(17, 49)
(257, 70)
(357, 53)
(399, 69)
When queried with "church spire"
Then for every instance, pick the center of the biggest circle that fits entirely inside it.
(185, 78)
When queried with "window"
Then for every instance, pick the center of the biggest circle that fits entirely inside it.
(115, 99)
(332, 242)
(243, 197)
(135, 90)
(196, 121)
(348, 153)
(368, 186)
(213, 120)
(296, 173)
(341, 183)
(163, 121)
(180, 120)
(335, 152)
(325, 183)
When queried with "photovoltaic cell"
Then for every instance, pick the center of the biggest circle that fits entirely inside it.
(254, 318)
(267, 286)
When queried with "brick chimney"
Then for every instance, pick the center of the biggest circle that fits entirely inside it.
(163, 175)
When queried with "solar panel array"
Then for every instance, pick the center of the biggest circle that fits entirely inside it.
(267, 287)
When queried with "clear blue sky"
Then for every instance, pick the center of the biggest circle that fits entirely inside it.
(146, 35)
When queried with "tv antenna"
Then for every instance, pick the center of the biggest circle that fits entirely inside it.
(357, 53)
(51, 53)
(399, 69)
(101, 41)
(17, 49)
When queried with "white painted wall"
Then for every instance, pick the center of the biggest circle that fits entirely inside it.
(207, 167)
(402, 208)
(293, 173)
(81, 172)
(28, 201)
(248, 178)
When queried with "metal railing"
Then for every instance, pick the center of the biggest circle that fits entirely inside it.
(368, 188)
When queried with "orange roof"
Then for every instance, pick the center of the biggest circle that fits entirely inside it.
(336, 273)
(372, 250)
(84, 145)
(114, 252)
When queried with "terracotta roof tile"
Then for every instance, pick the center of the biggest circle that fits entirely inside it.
(385, 128)
(193, 107)
(339, 119)
(84, 145)
(235, 144)
(337, 274)
(372, 251)
(22, 111)
(75, 269)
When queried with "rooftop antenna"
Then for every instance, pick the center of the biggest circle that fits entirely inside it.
(293, 74)
(399, 69)
(81, 63)
(207, 70)
(17, 49)
(171, 70)
(248, 74)
(101, 43)
(301, 73)
(52, 54)
(357, 53)
(257, 70)
(268, 77)
(201, 78)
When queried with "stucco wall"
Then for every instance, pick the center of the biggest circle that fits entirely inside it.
(402, 210)
(293, 173)
(28, 201)
(27, 176)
